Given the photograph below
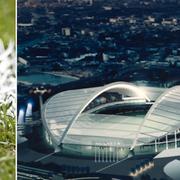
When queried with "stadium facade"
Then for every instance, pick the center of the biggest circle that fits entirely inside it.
(114, 121)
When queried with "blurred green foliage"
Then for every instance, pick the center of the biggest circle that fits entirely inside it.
(7, 121)
(7, 143)
(7, 20)
(7, 163)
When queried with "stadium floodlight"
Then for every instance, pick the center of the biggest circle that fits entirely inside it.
(21, 116)
(29, 109)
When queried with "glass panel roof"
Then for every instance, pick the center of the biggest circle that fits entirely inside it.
(99, 126)
(66, 122)
(164, 115)
(64, 108)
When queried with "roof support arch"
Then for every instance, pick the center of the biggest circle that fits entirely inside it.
(83, 98)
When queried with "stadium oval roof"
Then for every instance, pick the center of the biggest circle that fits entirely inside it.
(63, 109)
(163, 117)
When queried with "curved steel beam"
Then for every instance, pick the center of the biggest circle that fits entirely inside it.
(117, 85)
(151, 110)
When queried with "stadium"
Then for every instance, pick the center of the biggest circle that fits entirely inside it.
(112, 122)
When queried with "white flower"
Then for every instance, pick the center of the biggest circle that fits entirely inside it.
(7, 76)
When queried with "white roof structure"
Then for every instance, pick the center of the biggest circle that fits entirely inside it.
(163, 117)
(67, 122)
(168, 153)
(102, 129)
(62, 110)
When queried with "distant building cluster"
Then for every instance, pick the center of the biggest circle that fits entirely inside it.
(101, 38)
